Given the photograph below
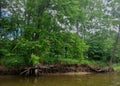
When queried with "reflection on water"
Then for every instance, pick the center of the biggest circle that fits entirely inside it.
(76, 80)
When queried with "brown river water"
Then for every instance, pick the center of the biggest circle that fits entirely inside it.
(112, 79)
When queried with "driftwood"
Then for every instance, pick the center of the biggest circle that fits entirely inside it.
(101, 69)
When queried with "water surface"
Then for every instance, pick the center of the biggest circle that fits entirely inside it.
(63, 80)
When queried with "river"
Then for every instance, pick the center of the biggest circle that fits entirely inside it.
(112, 79)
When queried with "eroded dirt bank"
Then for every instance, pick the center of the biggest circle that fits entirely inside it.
(64, 69)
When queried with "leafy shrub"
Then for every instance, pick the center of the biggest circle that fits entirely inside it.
(13, 61)
(34, 59)
(52, 47)
(63, 45)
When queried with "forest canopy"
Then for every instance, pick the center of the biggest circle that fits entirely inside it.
(59, 31)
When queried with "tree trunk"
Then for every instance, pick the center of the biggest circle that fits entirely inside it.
(77, 27)
(115, 46)
(0, 9)
(40, 11)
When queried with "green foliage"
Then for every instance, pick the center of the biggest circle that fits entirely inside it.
(45, 31)
(100, 48)
(34, 59)
(69, 61)
(115, 22)
(63, 45)
(66, 45)
(12, 61)
(50, 48)
(96, 50)
(116, 67)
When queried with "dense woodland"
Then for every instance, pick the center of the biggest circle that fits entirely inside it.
(59, 31)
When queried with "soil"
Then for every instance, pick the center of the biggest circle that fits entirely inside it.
(55, 69)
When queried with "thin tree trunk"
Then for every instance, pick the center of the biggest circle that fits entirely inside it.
(0, 19)
(115, 46)
(0, 9)
(0, 12)
(77, 27)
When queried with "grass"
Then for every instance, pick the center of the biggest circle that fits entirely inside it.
(73, 61)
(116, 66)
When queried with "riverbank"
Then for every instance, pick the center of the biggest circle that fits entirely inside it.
(69, 73)
(55, 69)
(116, 67)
